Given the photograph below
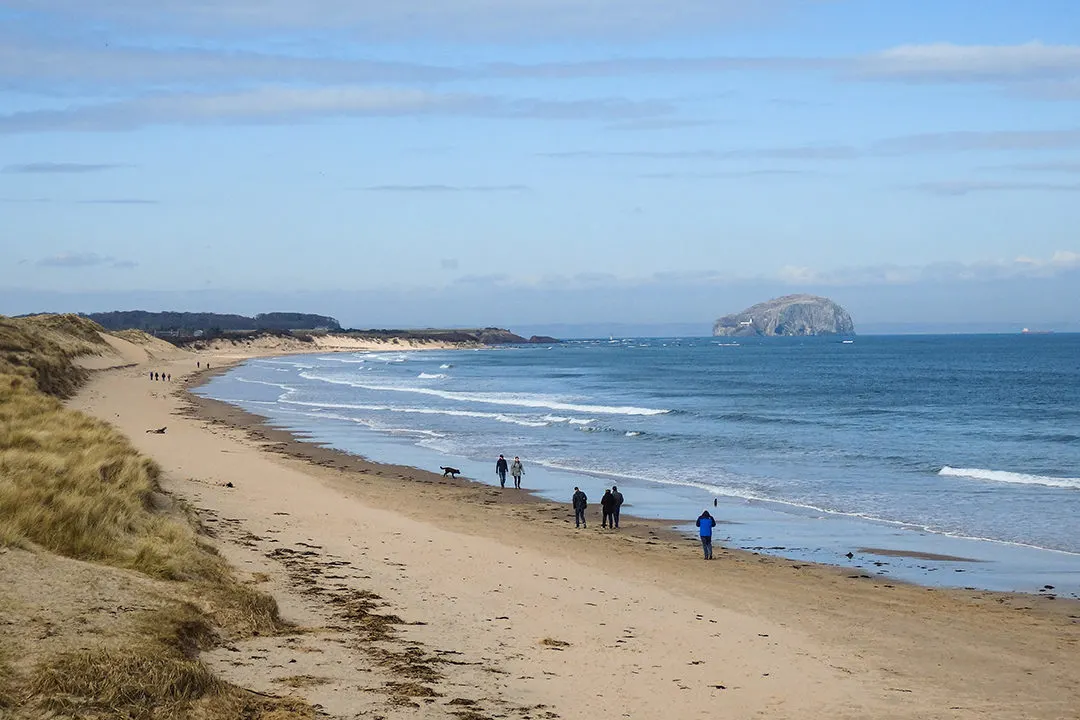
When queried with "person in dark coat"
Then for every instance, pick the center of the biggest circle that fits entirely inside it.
(501, 469)
(607, 503)
(616, 504)
(705, 524)
(580, 502)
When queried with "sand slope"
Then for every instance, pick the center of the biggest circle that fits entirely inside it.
(506, 610)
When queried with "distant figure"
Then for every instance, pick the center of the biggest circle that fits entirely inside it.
(151, 373)
(580, 502)
(500, 470)
(705, 525)
(616, 504)
(169, 377)
(606, 504)
(196, 363)
(155, 376)
(516, 471)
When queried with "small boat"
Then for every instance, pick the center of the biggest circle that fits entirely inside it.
(848, 342)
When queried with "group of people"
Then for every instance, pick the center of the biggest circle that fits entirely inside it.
(167, 377)
(610, 505)
(516, 470)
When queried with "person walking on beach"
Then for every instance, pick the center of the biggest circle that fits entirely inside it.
(500, 470)
(616, 504)
(580, 502)
(516, 471)
(606, 503)
(705, 524)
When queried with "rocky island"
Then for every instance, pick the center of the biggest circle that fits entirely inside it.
(790, 315)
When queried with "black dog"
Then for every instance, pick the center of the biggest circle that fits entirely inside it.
(452, 472)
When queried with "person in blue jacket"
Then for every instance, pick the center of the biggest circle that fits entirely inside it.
(705, 524)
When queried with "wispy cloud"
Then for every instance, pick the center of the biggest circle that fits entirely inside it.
(946, 62)
(85, 260)
(448, 19)
(802, 152)
(118, 201)
(968, 141)
(1040, 167)
(47, 168)
(74, 65)
(447, 188)
(284, 104)
(729, 175)
(91, 201)
(1061, 261)
(966, 187)
(646, 124)
(74, 260)
(902, 145)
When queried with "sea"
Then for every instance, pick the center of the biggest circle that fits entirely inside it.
(941, 460)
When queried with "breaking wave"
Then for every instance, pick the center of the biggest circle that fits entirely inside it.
(510, 399)
(1010, 477)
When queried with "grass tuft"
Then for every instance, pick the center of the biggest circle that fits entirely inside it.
(122, 683)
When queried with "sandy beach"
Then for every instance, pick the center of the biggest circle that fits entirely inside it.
(479, 602)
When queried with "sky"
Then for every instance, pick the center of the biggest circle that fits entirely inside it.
(542, 163)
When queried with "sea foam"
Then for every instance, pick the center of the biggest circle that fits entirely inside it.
(1010, 477)
(511, 399)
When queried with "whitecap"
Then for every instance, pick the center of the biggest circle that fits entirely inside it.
(1003, 476)
(512, 399)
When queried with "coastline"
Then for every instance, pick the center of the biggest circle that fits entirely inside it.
(803, 533)
(792, 639)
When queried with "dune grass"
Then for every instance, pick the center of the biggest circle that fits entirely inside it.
(72, 485)
(8, 696)
(75, 486)
(41, 348)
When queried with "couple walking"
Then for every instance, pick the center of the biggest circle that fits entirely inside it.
(516, 470)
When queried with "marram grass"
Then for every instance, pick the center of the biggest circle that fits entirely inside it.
(72, 485)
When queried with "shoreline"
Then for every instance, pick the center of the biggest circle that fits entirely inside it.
(293, 445)
(929, 559)
(535, 613)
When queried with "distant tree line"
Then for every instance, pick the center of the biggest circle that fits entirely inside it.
(191, 323)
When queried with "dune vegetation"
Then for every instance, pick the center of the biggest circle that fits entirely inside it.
(72, 486)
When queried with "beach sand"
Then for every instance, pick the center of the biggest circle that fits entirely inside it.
(417, 596)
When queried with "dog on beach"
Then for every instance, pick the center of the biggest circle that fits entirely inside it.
(452, 472)
(159, 431)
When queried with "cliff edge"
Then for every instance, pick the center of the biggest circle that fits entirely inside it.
(791, 315)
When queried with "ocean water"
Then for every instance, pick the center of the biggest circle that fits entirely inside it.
(966, 446)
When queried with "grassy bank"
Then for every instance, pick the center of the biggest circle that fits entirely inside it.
(72, 486)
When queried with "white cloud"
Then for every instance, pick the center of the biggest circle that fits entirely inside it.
(946, 62)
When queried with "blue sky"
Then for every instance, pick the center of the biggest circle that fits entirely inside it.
(541, 161)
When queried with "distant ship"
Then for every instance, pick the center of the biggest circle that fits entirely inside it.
(1028, 331)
